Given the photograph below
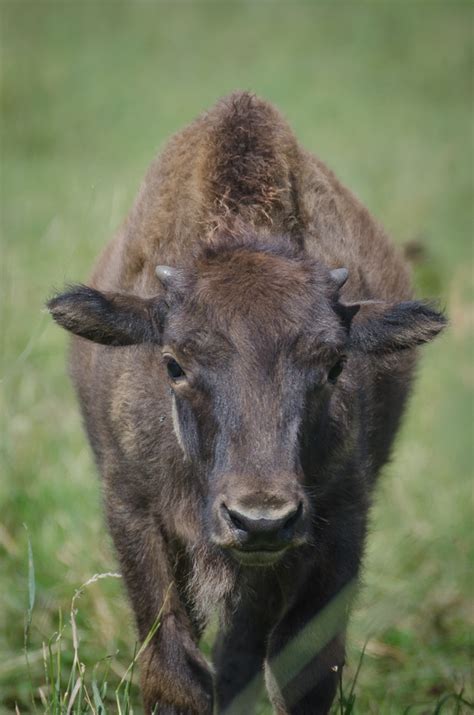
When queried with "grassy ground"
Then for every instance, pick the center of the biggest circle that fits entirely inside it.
(90, 90)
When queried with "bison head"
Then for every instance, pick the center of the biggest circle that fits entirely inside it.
(265, 363)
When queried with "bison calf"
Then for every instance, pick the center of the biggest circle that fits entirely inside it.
(242, 359)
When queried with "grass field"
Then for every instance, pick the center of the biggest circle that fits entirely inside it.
(381, 91)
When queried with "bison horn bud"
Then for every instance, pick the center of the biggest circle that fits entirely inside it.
(339, 276)
(167, 276)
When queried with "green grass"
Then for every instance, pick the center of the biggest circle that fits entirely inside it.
(382, 92)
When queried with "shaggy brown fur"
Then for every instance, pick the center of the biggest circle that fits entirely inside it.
(241, 404)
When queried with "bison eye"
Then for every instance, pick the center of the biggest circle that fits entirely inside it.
(336, 370)
(175, 371)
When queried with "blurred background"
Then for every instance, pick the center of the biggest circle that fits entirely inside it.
(381, 91)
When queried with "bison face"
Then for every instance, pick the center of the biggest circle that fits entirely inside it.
(263, 362)
(252, 348)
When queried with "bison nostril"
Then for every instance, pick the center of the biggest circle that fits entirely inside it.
(293, 518)
(233, 518)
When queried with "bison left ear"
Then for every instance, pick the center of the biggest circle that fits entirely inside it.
(378, 327)
(107, 318)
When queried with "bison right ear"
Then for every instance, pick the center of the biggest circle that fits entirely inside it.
(107, 318)
(382, 328)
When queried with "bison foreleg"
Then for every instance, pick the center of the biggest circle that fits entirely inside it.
(174, 676)
(238, 656)
(313, 689)
(306, 653)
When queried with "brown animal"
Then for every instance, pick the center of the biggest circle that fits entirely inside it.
(245, 352)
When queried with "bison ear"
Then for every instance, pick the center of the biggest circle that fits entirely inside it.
(106, 318)
(378, 327)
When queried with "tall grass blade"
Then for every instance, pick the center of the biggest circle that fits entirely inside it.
(98, 702)
(356, 676)
(29, 613)
(74, 694)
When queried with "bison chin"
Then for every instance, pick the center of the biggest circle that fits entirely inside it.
(212, 588)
